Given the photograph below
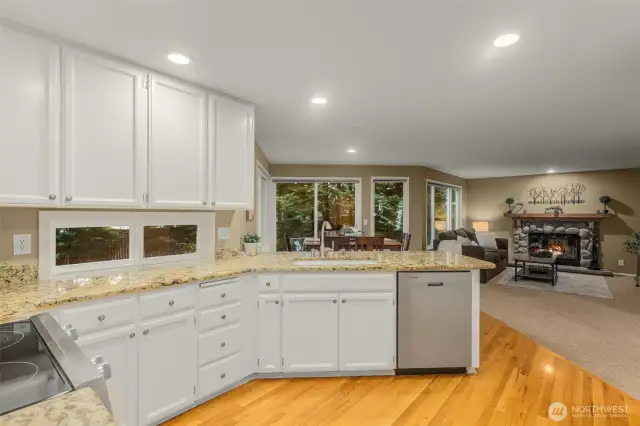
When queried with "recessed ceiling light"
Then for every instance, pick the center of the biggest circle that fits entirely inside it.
(318, 100)
(551, 171)
(179, 58)
(506, 40)
(351, 151)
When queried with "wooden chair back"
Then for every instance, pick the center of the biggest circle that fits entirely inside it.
(338, 243)
(406, 240)
(369, 243)
(287, 240)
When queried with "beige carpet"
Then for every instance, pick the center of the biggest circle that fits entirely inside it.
(600, 335)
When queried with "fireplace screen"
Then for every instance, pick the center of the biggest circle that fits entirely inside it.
(564, 246)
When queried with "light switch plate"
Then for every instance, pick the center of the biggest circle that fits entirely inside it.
(621, 262)
(21, 244)
(223, 233)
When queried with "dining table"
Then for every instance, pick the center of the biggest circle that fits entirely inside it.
(314, 243)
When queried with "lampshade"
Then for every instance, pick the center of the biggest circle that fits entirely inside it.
(481, 226)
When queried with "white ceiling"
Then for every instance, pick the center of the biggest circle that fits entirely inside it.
(408, 82)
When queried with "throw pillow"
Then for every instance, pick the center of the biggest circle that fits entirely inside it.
(461, 233)
(471, 233)
(464, 241)
(487, 240)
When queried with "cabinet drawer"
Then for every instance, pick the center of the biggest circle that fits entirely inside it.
(218, 344)
(219, 316)
(218, 375)
(166, 302)
(268, 283)
(212, 294)
(99, 316)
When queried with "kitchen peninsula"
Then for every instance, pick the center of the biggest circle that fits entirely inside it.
(219, 325)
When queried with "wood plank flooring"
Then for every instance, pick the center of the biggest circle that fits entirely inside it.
(518, 379)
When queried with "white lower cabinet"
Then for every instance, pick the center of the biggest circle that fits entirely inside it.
(367, 331)
(219, 374)
(168, 366)
(269, 333)
(310, 332)
(119, 348)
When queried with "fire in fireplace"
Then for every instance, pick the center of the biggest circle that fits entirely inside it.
(565, 246)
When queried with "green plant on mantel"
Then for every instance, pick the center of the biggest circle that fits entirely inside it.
(251, 238)
(633, 246)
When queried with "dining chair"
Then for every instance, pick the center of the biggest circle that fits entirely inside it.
(369, 243)
(406, 240)
(450, 246)
(337, 243)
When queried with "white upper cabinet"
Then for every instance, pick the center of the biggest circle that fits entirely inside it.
(105, 132)
(178, 169)
(232, 161)
(29, 120)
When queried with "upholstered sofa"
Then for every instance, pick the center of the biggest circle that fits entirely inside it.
(499, 256)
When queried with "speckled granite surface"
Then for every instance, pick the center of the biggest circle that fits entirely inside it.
(79, 408)
(22, 298)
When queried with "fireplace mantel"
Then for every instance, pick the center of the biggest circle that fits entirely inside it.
(585, 217)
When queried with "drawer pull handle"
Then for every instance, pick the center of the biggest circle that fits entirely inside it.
(435, 284)
(146, 332)
(335, 301)
(223, 344)
(171, 302)
(268, 284)
(132, 335)
(223, 375)
(224, 316)
(277, 302)
(223, 295)
(101, 318)
(344, 301)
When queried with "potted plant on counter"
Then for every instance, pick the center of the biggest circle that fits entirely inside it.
(633, 246)
(250, 242)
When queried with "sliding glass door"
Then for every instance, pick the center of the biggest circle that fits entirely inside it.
(302, 207)
(443, 209)
(390, 198)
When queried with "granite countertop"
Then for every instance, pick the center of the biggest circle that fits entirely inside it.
(22, 295)
(78, 408)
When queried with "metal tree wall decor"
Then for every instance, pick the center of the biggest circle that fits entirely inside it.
(566, 194)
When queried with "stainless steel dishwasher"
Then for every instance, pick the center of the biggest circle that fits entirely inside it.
(434, 322)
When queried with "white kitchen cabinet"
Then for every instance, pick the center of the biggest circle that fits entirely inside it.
(118, 348)
(168, 366)
(269, 333)
(232, 160)
(367, 335)
(310, 332)
(105, 132)
(178, 162)
(29, 120)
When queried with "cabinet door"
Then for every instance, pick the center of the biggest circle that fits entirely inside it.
(178, 145)
(118, 348)
(310, 332)
(29, 120)
(168, 366)
(367, 333)
(233, 165)
(269, 333)
(105, 132)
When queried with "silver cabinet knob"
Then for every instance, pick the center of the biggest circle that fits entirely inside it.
(223, 295)
(71, 332)
(223, 317)
(52, 196)
(344, 301)
(171, 302)
(204, 203)
(223, 375)
(101, 318)
(223, 344)
(103, 367)
(146, 332)
(268, 284)
(68, 198)
(132, 335)
(277, 302)
(335, 301)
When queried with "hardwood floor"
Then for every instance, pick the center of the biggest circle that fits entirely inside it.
(518, 379)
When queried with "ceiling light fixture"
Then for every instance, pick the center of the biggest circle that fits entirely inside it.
(351, 151)
(506, 40)
(179, 58)
(318, 100)
(551, 171)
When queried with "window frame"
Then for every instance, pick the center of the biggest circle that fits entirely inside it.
(316, 180)
(405, 200)
(430, 210)
(263, 206)
(49, 221)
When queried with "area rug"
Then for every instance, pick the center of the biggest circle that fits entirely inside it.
(584, 285)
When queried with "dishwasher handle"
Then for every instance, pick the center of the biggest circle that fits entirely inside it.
(439, 284)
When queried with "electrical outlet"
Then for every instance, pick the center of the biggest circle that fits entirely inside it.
(21, 244)
(621, 262)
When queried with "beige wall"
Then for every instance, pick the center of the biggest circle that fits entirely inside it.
(417, 188)
(25, 221)
(485, 202)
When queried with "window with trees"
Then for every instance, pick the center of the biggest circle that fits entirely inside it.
(390, 207)
(303, 205)
(443, 209)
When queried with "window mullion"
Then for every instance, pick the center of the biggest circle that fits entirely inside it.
(315, 209)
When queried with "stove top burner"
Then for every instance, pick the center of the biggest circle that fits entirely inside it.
(10, 338)
(25, 371)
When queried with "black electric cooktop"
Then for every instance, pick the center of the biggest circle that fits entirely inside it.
(28, 373)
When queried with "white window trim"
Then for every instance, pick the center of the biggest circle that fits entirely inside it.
(315, 181)
(50, 220)
(265, 234)
(405, 201)
(430, 228)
